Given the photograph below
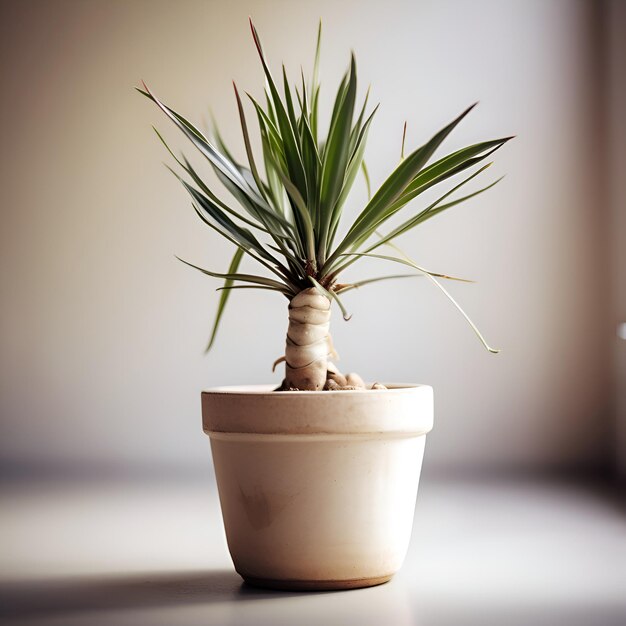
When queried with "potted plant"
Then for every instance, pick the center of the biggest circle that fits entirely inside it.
(317, 478)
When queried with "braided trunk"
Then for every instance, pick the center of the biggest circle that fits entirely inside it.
(310, 348)
(308, 341)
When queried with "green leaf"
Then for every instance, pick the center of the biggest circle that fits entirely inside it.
(358, 125)
(231, 287)
(212, 210)
(232, 270)
(300, 205)
(316, 61)
(336, 153)
(366, 176)
(403, 142)
(247, 278)
(268, 125)
(219, 141)
(367, 281)
(218, 160)
(435, 208)
(214, 198)
(275, 188)
(331, 295)
(374, 213)
(291, 114)
(427, 213)
(433, 278)
(314, 112)
(406, 262)
(246, 140)
(186, 165)
(295, 193)
(256, 211)
(274, 267)
(351, 172)
(449, 166)
(271, 220)
(464, 314)
(287, 131)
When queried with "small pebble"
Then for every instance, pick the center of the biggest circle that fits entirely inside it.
(378, 386)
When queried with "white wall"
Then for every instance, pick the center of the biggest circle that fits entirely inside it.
(102, 330)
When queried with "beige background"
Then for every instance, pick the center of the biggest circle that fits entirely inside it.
(102, 331)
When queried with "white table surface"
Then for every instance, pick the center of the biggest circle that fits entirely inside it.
(153, 552)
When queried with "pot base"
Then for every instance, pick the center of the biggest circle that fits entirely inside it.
(316, 585)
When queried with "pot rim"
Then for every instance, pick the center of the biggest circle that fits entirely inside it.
(257, 409)
(269, 389)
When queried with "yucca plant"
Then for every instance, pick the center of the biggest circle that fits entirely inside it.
(288, 206)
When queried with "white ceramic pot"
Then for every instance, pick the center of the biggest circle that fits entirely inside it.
(317, 488)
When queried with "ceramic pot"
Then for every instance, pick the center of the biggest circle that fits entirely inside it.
(317, 488)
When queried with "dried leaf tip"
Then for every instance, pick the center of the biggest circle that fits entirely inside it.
(403, 141)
